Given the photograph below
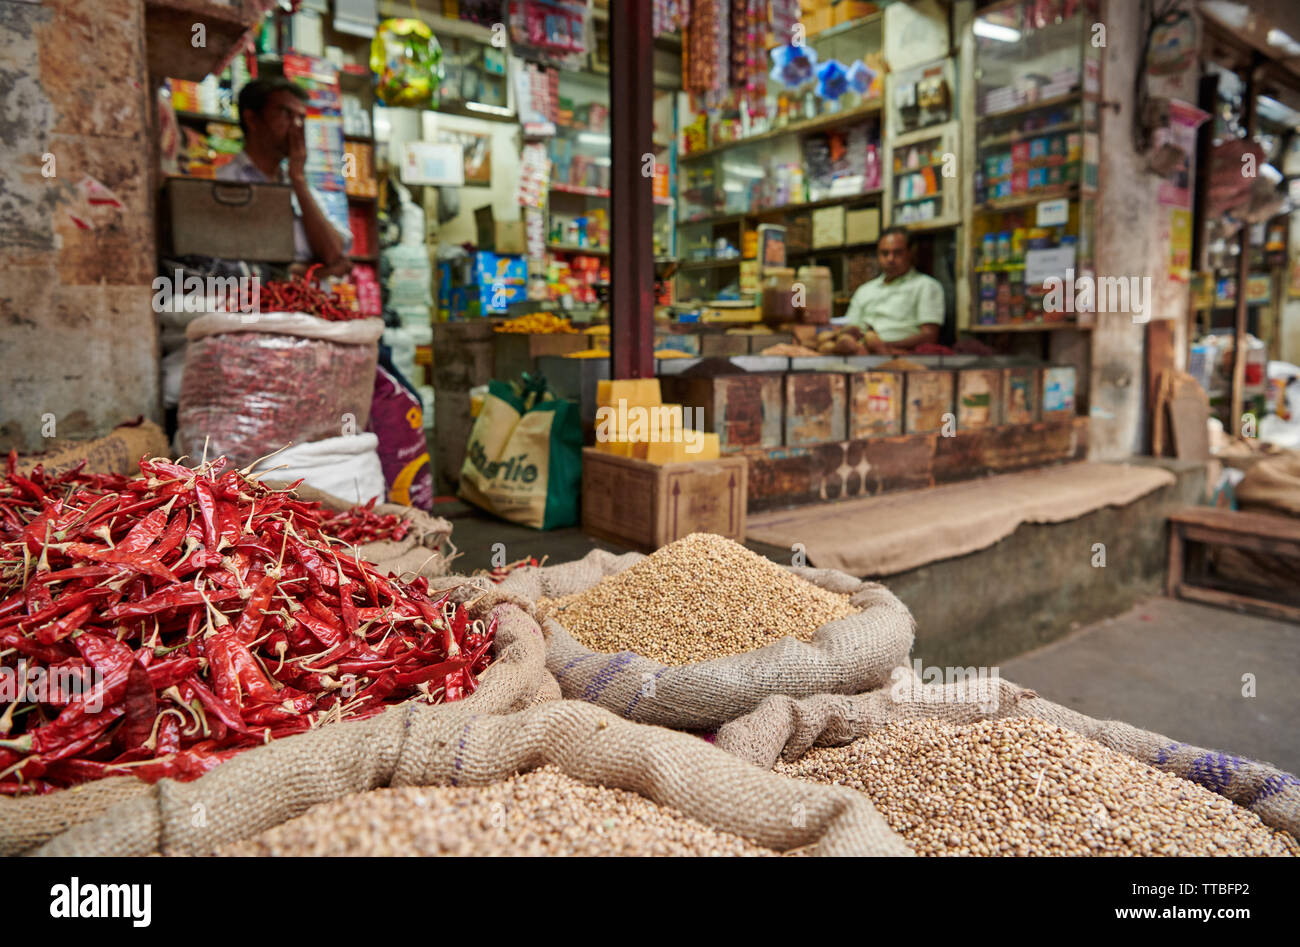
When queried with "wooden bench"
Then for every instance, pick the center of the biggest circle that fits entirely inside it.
(1256, 532)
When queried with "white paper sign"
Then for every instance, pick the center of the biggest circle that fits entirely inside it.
(424, 162)
(1044, 264)
(1053, 213)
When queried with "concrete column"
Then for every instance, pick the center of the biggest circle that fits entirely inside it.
(78, 342)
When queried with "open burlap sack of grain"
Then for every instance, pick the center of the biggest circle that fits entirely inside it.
(335, 759)
(786, 728)
(700, 691)
(425, 550)
(418, 745)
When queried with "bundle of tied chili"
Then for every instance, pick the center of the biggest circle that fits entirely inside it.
(301, 294)
(175, 619)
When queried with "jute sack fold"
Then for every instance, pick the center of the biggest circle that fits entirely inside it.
(425, 550)
(419, 745)
(335, 759)
(787, 728)
(846, 656)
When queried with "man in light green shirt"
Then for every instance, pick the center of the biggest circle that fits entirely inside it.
(901, 308)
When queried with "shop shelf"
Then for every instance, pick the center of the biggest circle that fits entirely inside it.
(1027, 200)
(574, 248)
(580, 189)
(1034, 106)
(802, 126)
(784, 209)
(1012, 137)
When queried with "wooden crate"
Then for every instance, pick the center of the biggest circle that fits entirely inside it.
(722, 344)
(517, 352)
(875, 404)
(759, 342)
(1056, 391)
(743, 410)
(979, 399)
(815, 408)
(1019, 395)
(647, 506)
(927, 397)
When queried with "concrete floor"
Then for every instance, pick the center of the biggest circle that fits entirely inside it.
(1176, 668)
(1165, 665)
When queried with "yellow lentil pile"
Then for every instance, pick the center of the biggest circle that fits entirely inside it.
(543, 812)
(699, 598)
(1023, 787)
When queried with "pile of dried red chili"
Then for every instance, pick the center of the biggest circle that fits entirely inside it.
(498, 574)
(301, 294)
(362, 524)
(178, 618)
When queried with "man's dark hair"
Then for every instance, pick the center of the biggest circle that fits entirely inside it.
(898, 229)
(254, 96)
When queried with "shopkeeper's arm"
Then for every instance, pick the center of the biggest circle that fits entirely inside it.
(928, 334)
(326, 243)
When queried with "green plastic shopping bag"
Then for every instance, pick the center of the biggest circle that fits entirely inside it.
(523, 461)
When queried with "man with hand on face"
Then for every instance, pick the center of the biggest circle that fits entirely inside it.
(272, 114)
(901, 308)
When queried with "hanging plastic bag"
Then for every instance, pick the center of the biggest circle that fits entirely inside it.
(523, 461)
(407, 58)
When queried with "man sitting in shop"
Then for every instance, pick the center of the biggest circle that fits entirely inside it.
(272, 114)
(901, 308)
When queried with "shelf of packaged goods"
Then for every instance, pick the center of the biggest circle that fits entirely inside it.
(573, 248)
(1076, 96)
(918, 200)
(1012, 138)
(1018, 201)
(801, 126)
(664, 201)
(580, 190)
(1028, 327)
(709, 264)
(831, 32)
(784, 209)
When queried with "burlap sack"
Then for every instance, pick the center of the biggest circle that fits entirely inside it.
(118, 452)
(844, 657)
(783, 727)
(418, 745)
(333, 755)
(425, 550)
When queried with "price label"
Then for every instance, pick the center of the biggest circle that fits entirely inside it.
(1053, 213)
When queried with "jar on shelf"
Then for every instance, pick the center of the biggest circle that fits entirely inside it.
(778, 295)
(816, 282)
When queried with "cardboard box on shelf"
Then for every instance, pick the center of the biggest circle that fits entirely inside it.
(979, 399)
(815, 411)
(742, 410)
(499, 236)
(927, 399)
(875, 404)
(827, 227)
(862, 225)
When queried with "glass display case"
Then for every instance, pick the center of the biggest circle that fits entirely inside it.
(1038, 78)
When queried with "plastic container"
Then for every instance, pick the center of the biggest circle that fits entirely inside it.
(778, 295)
(816, 281)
